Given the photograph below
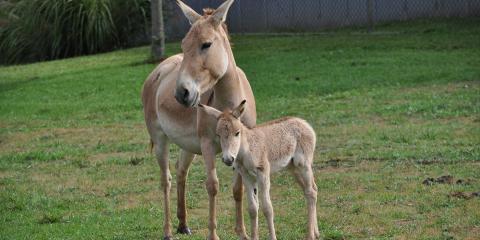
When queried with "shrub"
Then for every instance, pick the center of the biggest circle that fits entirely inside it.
(38, 30)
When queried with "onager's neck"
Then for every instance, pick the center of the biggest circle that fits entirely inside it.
(228, 91)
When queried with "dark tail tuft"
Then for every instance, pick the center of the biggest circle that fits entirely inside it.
(151, 146)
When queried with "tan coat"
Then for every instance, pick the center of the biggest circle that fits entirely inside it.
(205, 73)
(257, 152)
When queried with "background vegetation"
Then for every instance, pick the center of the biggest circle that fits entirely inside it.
(390, 109)
(36, 30)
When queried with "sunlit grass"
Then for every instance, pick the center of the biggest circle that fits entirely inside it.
(389, 110)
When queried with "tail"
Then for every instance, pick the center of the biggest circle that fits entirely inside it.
(151, 146)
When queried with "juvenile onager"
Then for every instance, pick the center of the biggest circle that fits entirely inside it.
(205, 73)
(256, 152)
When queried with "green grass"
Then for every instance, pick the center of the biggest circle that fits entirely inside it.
(389, 109)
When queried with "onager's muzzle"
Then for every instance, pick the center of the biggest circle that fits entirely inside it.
(187, 95)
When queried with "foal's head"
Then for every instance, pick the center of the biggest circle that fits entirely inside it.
(229, 130)
(205, 53)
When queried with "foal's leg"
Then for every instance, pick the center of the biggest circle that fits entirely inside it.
(266, 204)
(297, 173)
(310, 192)
(161, 152)
(183, 164)
(237, 196)
(208, 152)
(252, 209)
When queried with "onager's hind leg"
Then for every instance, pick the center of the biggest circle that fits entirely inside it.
(237, 196)
(183, 165)
(304, 175)
(161, 152)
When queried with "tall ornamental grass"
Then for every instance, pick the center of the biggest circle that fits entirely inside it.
(36, 30)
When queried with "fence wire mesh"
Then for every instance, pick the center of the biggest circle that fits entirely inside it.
(251, 16)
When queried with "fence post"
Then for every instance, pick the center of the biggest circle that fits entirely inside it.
(370, 15)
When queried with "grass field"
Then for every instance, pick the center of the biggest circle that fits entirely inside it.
(390, 109)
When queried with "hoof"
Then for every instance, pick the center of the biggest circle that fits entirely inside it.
(168, 238)
(184, 230)
(213, 237)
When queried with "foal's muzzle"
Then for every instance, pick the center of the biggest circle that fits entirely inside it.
(228, 160)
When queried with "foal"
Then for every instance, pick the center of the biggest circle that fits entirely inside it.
(270, 147)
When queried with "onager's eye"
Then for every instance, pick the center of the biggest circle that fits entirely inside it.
(237, 133)
(206, 45)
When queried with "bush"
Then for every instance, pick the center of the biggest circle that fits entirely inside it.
(37, 30)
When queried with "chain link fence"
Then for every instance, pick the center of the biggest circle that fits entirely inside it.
(267, 16)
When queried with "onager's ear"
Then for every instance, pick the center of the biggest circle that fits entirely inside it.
(238, 111)
(191, 15)
(210, 110)
(220, 15)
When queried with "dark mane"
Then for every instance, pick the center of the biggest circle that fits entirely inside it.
(209, 12)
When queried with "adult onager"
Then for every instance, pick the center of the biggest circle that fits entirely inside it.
(258, 151)
(205, 73)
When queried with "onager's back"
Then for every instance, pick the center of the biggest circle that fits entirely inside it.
(256, 152)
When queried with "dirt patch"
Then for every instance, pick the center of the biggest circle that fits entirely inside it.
(428, 162)
(446, 179)
(336, 163)
(464, 195)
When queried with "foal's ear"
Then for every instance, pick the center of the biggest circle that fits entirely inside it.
(191, 15)
(220, 15)
(238, 111)
(209, 110)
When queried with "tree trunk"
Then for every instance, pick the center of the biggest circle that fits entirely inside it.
(158, 34)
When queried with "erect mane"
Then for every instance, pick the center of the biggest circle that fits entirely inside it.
(209, 12)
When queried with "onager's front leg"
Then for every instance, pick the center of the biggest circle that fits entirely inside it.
(161, 152)
(237, 196)
(208, 152)
(266, 204)
(183, 164)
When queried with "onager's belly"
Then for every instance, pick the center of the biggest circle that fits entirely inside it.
(184, 135)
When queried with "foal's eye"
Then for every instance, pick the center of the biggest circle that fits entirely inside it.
(206, 45)
(237, 133)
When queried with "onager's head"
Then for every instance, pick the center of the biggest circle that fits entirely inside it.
(205, 53)
(229, 129)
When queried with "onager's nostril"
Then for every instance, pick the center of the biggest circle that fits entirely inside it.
(186, 93)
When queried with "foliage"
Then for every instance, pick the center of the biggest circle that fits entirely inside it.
(50, 29)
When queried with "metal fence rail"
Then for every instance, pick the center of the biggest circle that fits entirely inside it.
(256, 16)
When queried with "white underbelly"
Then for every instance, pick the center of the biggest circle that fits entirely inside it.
(184, 136)
(279, 164)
